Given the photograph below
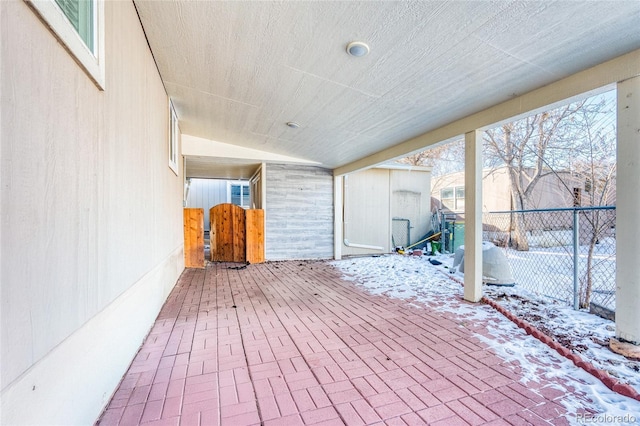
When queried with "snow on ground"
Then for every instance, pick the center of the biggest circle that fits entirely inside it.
(549, 270)
(582, 332)
(416, 279)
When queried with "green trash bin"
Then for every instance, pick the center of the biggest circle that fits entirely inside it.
(436, 247)
(457, 236)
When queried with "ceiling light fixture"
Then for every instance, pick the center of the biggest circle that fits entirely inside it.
(293, 124)
(358, 49)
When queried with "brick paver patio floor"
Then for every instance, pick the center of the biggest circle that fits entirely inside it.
(290, 343)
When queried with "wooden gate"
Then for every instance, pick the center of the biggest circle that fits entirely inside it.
(236, 234)
(227, 231)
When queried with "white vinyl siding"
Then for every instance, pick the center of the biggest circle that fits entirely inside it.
(206, 193)
(86, 172)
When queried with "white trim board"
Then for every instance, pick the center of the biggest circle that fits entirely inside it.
(200, 147)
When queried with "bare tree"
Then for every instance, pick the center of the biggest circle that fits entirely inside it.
(418, 159)
(577, 143)
(594, 162)
(528, 148)
(446, 158)
(551, 142)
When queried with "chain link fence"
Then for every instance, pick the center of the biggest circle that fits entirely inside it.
(401, 232)
(565, 254)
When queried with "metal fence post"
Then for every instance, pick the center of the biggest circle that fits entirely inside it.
(576, 245)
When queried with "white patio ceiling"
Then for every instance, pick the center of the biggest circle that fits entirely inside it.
(238, 71)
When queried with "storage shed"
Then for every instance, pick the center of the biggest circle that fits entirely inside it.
(385, 206)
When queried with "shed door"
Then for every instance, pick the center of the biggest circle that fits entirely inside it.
(406, 205)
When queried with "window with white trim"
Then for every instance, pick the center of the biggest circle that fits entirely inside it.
(79, 25)
(453, 198)
(174, 137)
(81, 17)
(460, 198)
(238, 193)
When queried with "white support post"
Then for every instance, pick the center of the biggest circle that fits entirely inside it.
(473, 216)
(337, 217)
(628, 206)
(263, 189)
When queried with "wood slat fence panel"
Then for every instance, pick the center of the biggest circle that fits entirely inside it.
(254, 219)
(193, 221)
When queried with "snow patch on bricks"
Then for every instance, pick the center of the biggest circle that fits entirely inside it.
(419, 282)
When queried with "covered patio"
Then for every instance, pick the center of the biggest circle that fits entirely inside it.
(293, 343)
(107, 115)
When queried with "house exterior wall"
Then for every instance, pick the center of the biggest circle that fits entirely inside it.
(206, 193)
(299, 212)
(91, 232)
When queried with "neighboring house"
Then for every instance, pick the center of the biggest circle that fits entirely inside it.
(385, 205)
(552, 191)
